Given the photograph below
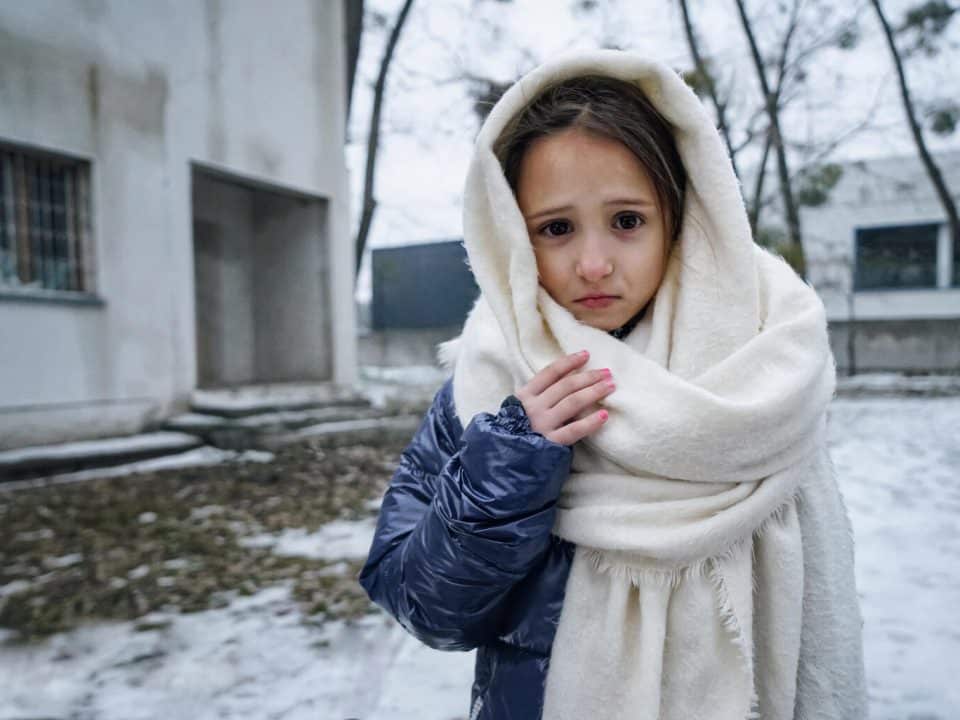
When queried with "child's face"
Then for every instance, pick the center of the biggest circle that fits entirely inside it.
(597, 232)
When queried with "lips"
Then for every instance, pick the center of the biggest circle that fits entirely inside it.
(597, 301)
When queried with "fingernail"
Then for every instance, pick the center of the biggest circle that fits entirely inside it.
(606, 373)
(604, 415)
(611, 384)
(582, 353)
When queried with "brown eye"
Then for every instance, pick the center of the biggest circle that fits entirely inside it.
(556, 227)
(628, 221)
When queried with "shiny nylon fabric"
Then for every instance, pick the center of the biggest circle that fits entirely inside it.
(463, 556)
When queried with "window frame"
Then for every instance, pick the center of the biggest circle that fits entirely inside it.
(69, 239)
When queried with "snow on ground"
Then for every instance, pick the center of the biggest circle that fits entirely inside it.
(340, 539)
(381, 385)
(145, 442)
(898, 463)
(254, 659)
(197, 457)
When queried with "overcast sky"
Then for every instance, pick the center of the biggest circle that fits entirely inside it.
(429, 123)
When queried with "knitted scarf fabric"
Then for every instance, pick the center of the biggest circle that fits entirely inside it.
(684, 599)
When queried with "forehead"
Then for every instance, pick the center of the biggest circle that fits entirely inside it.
(567, 164)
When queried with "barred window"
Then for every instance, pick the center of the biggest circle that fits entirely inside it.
(902, 256)
(44, 222)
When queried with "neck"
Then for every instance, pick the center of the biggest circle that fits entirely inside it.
(621, 332)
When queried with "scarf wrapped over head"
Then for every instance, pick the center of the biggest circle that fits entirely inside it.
(684, 599)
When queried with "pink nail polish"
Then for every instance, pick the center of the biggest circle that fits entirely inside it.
(604, 415)
(606, 373)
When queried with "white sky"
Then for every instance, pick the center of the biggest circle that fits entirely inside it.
(429, 124)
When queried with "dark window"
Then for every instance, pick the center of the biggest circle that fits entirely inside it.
(896, 257)
(422, 286)
(44, 221)
(956, 262)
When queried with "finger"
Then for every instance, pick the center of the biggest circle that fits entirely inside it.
(587, 410)
(556, 370)
(575, 403)
(571, 383)
(579, 429)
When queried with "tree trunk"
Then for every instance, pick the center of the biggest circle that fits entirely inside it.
(369, 204)
(753, 211)
(353, 30)
(936, 177)
(711, 88)
(771, 103)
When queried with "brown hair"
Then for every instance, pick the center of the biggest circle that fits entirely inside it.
(610, 108)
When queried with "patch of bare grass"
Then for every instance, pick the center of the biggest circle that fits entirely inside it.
(123, 547)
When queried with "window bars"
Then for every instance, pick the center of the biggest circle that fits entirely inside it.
(45, 239)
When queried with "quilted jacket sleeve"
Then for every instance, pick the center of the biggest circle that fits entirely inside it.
(466, 516)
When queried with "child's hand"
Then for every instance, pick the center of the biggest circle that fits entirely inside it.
(556, 397)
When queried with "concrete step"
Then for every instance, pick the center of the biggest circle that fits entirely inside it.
(276, 397)
(377, 430)
(238, 419)
(248, 431)
(43, 460)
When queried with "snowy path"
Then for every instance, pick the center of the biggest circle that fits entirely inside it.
(252, 660)
(898, 462)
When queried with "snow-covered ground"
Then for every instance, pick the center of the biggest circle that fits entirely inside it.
(898, 461)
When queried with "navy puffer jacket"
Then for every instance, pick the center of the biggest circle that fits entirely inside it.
(463, 556)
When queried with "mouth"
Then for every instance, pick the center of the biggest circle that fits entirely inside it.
(596, 301)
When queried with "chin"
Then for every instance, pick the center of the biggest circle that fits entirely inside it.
(601, 323)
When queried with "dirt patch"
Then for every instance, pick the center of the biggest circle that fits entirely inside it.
(123, 547)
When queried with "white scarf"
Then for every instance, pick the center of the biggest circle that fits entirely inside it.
(684, 599)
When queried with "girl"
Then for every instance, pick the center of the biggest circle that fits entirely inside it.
(622, 497)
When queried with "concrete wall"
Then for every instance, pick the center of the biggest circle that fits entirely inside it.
(402, 348)
(915, 329)
(898, 345)
(223, 281)
(261, 277)
(144, 91)
(292, 307)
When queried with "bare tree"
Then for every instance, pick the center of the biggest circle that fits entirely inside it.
(369, 205)
(942, 13)
(353, 30)
(757, 127)
(704, 78)
(811, 26)
(703, 82)
(772, 107)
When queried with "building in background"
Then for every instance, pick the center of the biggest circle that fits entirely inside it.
(173, 208)
(880, 254)
(421, 296)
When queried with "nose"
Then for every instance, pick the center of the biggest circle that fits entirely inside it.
(595, 260)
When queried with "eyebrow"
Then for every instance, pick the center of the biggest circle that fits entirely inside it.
(618, 201)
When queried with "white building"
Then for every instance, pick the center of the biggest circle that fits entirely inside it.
(173, 207)
(880, 255)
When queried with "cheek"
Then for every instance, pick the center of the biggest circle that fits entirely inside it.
(647, 263)
(550, 264)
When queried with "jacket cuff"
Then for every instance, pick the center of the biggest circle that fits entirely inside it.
(506, 469)
(513, 416)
